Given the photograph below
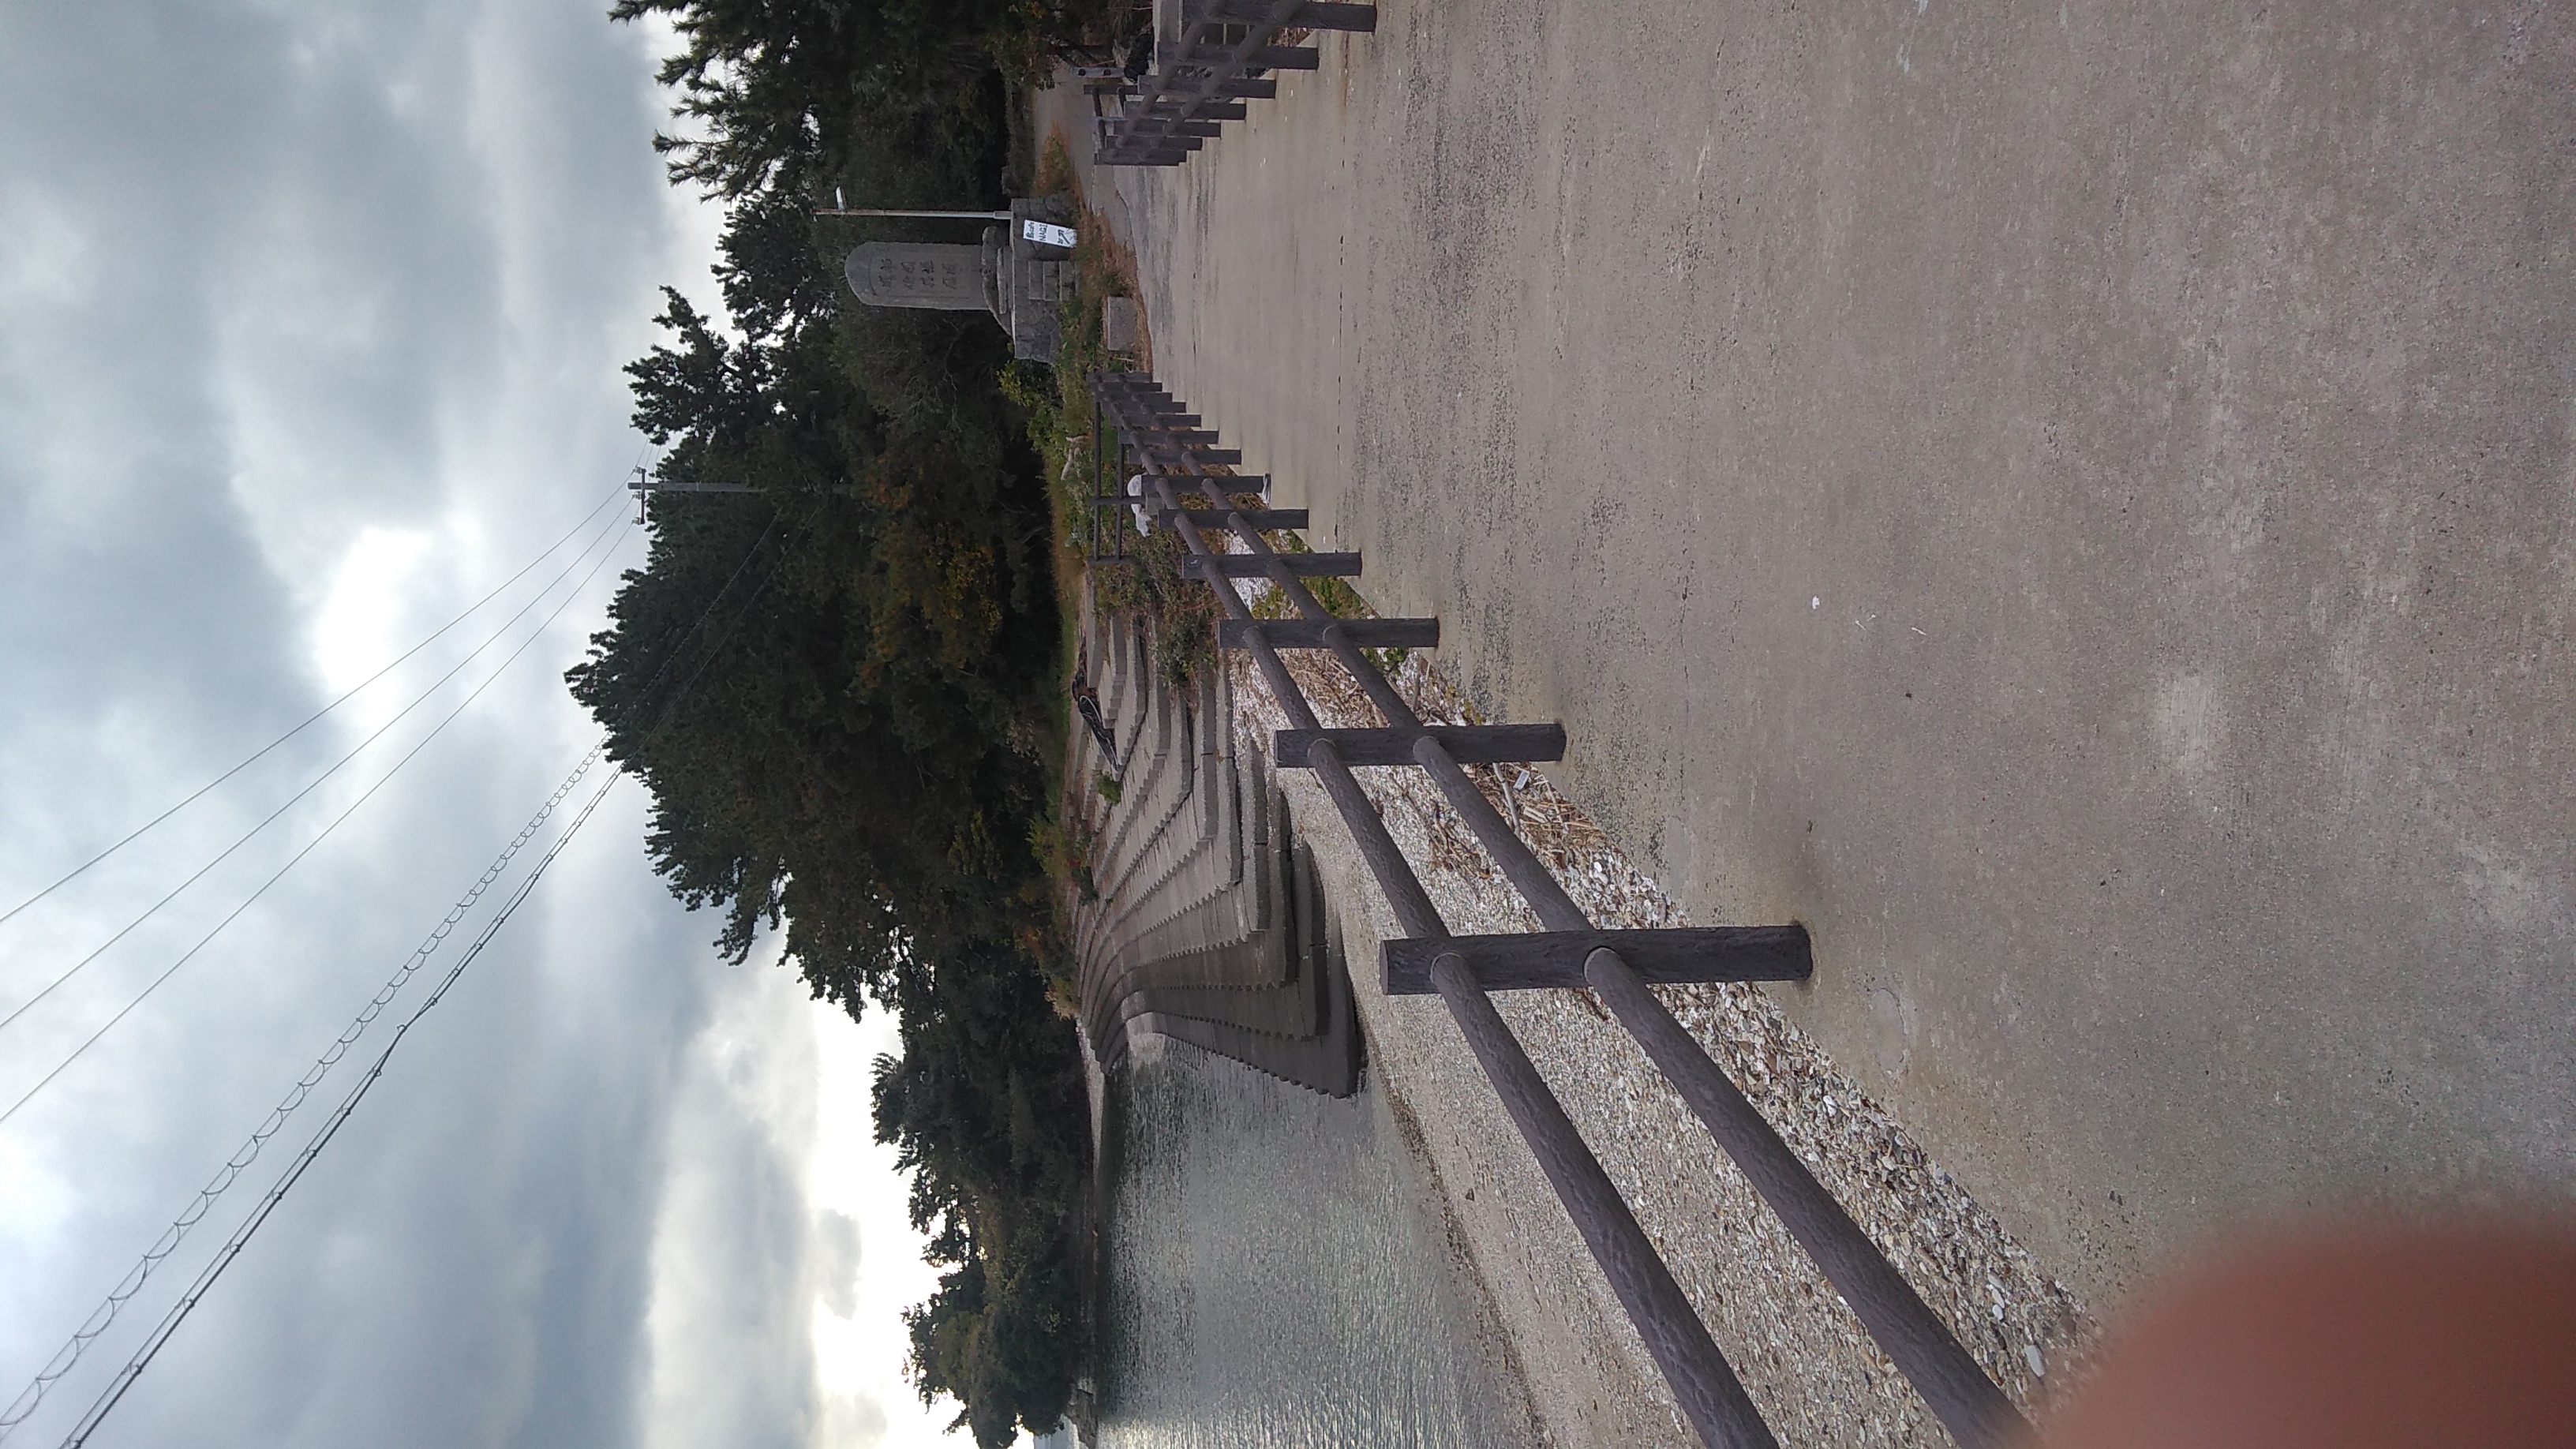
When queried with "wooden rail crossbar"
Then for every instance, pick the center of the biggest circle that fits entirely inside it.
(1570, 952)
(1260, 517)
(1307, 634)
(1467, 744)
(1243, 566)
(1531, 960)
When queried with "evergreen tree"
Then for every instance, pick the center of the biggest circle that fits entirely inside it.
(838, 687)
(770, 86)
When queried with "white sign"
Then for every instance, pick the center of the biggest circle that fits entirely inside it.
(1045, 235)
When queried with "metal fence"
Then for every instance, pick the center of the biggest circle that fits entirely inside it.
(1220, 55)
(1173, 453)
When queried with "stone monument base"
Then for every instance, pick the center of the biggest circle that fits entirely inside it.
(1036, 279)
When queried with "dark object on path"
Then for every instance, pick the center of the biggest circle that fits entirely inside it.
(1086, 702)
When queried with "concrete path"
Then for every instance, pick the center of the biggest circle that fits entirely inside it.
(2075, 502)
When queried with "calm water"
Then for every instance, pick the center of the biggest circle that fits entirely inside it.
(1270, 1280)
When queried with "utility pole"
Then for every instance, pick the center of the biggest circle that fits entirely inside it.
(840, 207)
(924, 215)
(643, 485)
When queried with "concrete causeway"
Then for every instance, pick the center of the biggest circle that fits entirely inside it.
(2073, 502)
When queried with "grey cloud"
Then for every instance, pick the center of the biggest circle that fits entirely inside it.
(470, 1263)
(733, 1359)
(228, 170)
(177, 146)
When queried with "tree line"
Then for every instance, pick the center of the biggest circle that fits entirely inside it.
(840, 688)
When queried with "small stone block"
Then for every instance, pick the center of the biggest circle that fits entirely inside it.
(1118, 324)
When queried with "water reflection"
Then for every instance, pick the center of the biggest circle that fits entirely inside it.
(1270, 1279)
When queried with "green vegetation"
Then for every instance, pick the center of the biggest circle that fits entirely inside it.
(1147, 578)
(1057, 400)
(843, 690)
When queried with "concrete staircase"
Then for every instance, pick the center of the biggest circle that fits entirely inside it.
(1209, 925)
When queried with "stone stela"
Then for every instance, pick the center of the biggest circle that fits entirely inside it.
(1020, 282)
(921, 274)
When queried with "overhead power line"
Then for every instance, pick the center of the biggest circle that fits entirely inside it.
(263, 751)
(316, 782)
(294, 860)
(224, 1179)
(234, 1166)
(330, 1128)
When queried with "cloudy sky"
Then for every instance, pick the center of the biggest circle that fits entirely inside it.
(311, 313)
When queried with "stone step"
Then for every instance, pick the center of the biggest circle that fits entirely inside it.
(1302, 1031)
(1209, 926)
